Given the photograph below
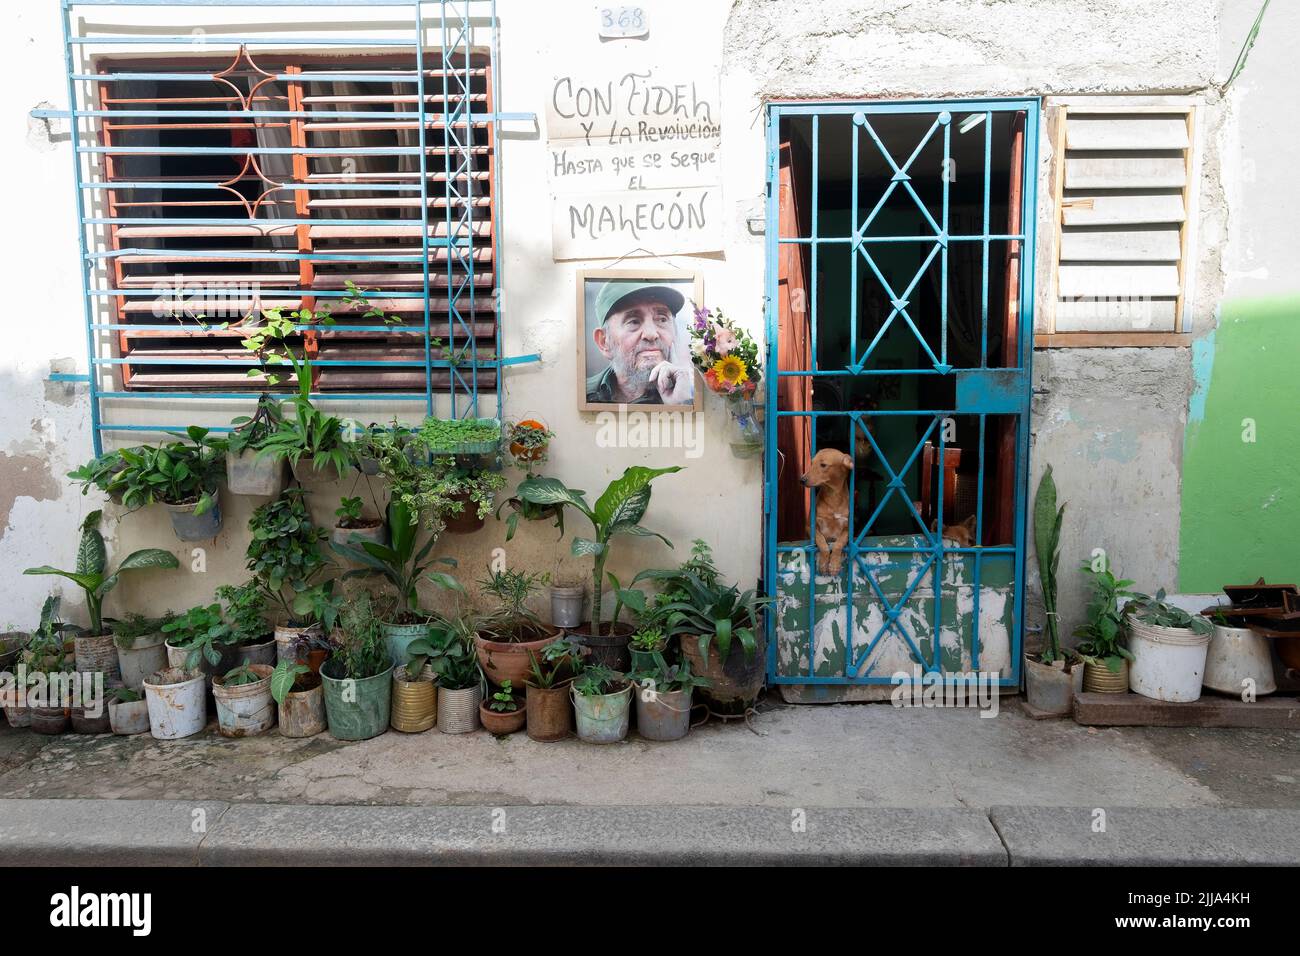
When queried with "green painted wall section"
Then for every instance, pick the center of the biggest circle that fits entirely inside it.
(1241, 497)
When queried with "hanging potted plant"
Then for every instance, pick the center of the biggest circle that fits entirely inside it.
(466, 497)
(182, 475)
(459, 436)
(1101, 647)
(244, 704)
(354, 526)
(663, 698)
(1050, 682)
(300, 699)
(511, 633)
(96, 650)
(546, 694)
(128, 712)
(100, 473)
(315, 444)
(617, 511)
(1169, 648)
(177, 701)
(140, 650)
(602, 700)
(247, 473)
(529, 441)
(358, 676)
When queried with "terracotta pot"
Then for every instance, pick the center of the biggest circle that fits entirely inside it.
(549, 712)
(506, 660)
(1288, 649)
(734, 683)
(1100, 679)
(609, 647)
(501, 723)
(468, 521)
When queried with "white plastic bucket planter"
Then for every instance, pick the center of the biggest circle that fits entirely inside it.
(245, 710)
(178, 703)
(1237, 655)
(1168, 662)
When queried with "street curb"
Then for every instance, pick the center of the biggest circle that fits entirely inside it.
(1148, 836)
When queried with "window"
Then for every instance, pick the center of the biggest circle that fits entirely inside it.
(1124, 181)
(175, 270)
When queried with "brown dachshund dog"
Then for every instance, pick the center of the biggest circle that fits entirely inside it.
(829, 474)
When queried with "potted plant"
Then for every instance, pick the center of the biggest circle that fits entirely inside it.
(246, 613)
(529, 441)
(663, 698)
(358, 675)
(448, 649)
(568, 602)
(415, 698)
(88, 713)
(246, 472)
(1102, 647)
(467, 495)
(719, 630)
(299, 698)
(402, 563)
(182, 475)
(648, 641)
(354, 525)
(1237, 655)
(177, 701)
(128, 712)
(546, 693)
(96, 650)
(46, 658)
(201, 640)
(459, 436)
(1169, 648)
(99, 473)
(511, 633)
(1050, 682)
(602, 700)
(140, 651)
(501, 714)
(617, 511)
(244, 704)
(315, 444)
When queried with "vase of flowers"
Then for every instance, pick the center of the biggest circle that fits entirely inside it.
(727, 357)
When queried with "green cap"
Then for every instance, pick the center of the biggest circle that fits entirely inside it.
(617, 293)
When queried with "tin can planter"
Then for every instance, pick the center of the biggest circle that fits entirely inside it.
(250, 474)
(245, 710)
(303, 712)
(458, 709)
(357, 709)
(663, 715)
(509, 660)
(734, 684)
(568, 606)
(501, 722)
(129, 717)
(376, 534)
(191, 527)
(49, 720)
(178, 703)
(145, 655)
(549, 713)
(602, 718)
(1100, 679)
(96, 655)
(415, 702)
(645, 660)
(263, 652)
(609, 647)
(399, 638)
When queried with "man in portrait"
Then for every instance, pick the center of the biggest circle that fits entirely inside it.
(636, 329)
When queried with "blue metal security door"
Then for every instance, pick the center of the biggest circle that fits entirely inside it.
(917, 243)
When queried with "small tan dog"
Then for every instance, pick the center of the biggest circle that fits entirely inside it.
(829, 474)
(961, 535)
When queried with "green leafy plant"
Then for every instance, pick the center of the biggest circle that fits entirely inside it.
(246, 611)
(135, 626)
(250, 432)
(239, 676)
(362, 651)
(349, 513)
(617, 511)
(177, 473)
(448, 648)
(285, 678)
(92, 574)
(597, 679)
(560, 660)
(1156, 612)
(513, 620)
(286, 559)
(403, 562)
(202, 631)
(309, 432)
(1047, 543)
(45, 651)
(1103, 633)
(649, 638)
(714, 612)
(125, 695)
(99, 472)
(503, 700)
(444, 436)
(668, 678)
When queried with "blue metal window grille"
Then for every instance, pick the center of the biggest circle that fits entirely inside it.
(985, 389)
(449, 169)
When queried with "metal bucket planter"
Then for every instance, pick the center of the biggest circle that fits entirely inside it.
(1050, 688)
(663, 715)
(415, 702)
(399, 638)
(303, 712)
(602, 718)
(609, 647)
(734, 684)
(376, 534)
(263, 652)
(458, 709)
(129, 717)
(191, 527)
(98, 654)
(499, 722)
(49, 720)
(1100, 679)
(245, 710)
(357, 709)
(645, 660)
(145, 656)
(549, 713)
(178, 703)
(1237, 655)
(286, 643)
(250, 474)
(508, 660)
(568, 605)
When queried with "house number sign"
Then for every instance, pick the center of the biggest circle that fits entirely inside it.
(623, 22)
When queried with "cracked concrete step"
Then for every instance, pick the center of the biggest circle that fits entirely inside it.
(105, 832)
(1149, 836)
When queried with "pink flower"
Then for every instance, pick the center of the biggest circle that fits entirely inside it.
(726, 341)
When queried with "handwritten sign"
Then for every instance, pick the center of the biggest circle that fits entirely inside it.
(619, 22)
(634, 163)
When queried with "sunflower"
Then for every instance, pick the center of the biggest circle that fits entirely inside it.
(730, 369)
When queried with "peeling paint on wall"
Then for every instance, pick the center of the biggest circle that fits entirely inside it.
(26, 476)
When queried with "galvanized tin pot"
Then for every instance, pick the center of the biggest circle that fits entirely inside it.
(191, 527)
(1237, 655)
(415, 702)
(357, 709)
(602, 718)
(458, 709)
(1100, 679)
(663, 715)
(264, 652)
(245, 710)
(1049, 689)
(567, 606)
(303, 712)
(399, 638)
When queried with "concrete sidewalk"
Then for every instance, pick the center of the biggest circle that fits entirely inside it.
(181, 833)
